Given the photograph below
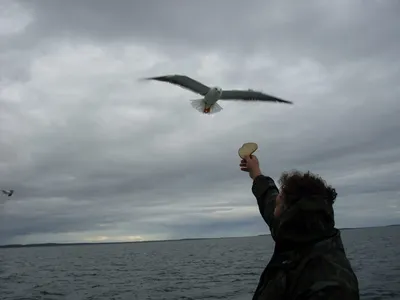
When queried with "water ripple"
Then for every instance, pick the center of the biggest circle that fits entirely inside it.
(190, 270)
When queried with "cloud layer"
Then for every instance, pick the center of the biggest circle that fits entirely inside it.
(95, 155)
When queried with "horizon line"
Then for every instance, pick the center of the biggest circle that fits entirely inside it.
(50, 244)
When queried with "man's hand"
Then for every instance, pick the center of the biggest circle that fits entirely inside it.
(250, 164)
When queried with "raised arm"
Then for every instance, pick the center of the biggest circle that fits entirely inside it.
(265, 191)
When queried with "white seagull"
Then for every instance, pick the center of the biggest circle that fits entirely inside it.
(8, 193)
(208, 103)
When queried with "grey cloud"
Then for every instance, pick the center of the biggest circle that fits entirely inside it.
(315, 30)
(89, 149)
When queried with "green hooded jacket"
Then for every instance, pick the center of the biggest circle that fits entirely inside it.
(309, 260)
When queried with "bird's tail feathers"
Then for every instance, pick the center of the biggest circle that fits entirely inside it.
(200, 105)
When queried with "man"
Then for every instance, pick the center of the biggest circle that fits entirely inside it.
(309, 261)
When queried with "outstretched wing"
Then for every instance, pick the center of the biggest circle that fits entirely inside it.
(8, 193)
(250, 95)
(184, 82)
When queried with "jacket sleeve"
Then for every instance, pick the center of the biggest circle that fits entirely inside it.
(265, 191)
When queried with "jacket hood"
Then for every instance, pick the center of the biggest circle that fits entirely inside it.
(308, 220)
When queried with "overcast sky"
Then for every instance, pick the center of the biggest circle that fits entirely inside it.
(95, 155)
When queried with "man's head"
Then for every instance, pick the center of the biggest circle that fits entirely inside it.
(296, 185)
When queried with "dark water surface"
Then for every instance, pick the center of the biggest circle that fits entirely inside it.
(203, 269)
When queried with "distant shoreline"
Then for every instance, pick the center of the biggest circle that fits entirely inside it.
(153, 241)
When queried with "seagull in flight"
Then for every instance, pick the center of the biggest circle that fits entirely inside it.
(210, 95)
(8, 193)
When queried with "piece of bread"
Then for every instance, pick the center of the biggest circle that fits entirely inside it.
(247, 149)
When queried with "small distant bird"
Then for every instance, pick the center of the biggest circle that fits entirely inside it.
(8, 192)
(208, 104)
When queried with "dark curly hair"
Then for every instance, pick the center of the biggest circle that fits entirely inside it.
(296, 185)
